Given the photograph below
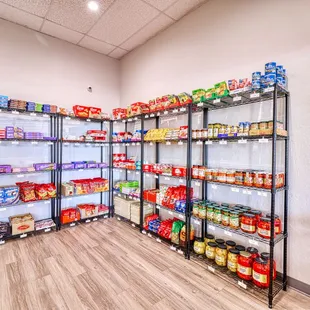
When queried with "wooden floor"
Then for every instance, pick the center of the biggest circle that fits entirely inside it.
(109, 265)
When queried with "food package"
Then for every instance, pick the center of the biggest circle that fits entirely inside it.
(183, 132)
(67, 189)
(175, 232)
(45, 191)
(183, 235)
(148, 219)
(165, 228)
(27, 191)
(221, 89)
(87, 210)
(81, 111)
(185, 98)
(14, 132)
(103, 209)
(199, 95)
(179, 171)
(43, 166)
(22, 223)
(119, 113)
(69, 215)
(43, 224)
(5, 169)
(137, 109)
(9, 195)
(95, 112)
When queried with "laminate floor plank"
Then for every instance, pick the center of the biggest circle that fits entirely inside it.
(110, 265)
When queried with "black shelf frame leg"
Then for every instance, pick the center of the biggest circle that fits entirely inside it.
(110, 163)
(141, 174)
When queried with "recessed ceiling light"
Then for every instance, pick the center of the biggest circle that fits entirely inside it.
(93, 5)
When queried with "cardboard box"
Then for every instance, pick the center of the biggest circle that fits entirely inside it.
(22, 223)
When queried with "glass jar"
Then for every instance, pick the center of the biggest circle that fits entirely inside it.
(232, 260)
(209, 175)
(210, 131)
(240, 247)
(210, 212)
(215, 174)
(222, 176)
(258, 214)
(202, 211)
(195, 209)
(230, 176)
(248, 223)
(234, 222)
(210, 250)
(199, 246)
(277, 223)
(230, 244)
(259, 179)
(225, 217)
(221, 255)
(244, 269)
(261, 276)
(195, 172)
(225, 205)
(219, 241)
(204, 133)
(253, 251)
(209, 238)
(201, 172)
(248, 178)
(239, 177)
(217, 217)
(264, 227)
(266, 256)
(198, 134)
(246, 208)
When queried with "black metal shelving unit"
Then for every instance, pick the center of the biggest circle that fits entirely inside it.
(94, 146)
(51, 203)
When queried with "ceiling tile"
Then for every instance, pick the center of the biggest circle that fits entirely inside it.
(182, 7)
(96, 45)
(122, 20)
(75, 14)
(36, 7)
(61, 32)
(161, 4)
(20, 17)
(118, 53)
(159, 23)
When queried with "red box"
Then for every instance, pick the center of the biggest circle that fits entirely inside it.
(95, 112)
(147, 167)
(179, 171)
(119, 113)
(81, 111)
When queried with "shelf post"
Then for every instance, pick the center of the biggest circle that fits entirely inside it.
(111, 206)
(141, 174)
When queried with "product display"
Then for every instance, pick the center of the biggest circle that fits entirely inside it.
(43, 224)
(120, 137)
(89, 136)
(84, 186)
(120, 161)
(21, 224)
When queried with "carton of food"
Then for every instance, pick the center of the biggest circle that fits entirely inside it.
(22, 223)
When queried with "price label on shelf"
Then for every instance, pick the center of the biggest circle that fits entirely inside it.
(146, 116)
(180, 252)
(254, 95)
(167, 179)
(129, 172)
(20, 176)
(30, 205)
(66, 143)
(242, 284)
(200, 104)
(77, 144)
(263, 140)
(138, 143)
(235, 189)
(118, 218)
(152, 115)
(158, 240)
(136, 118)
(199, 142)
(133, 225)
(33, 114)
(175, 111)
(182, 110)
(173, 248)
(181, 180)
(127, 144)
(87, 221)
(49, 143)
(155, 176)
(169, 212)
(264, 194)
(180, 143)
(166, 112)
(137, 172)
(143, 232)
(15, 112)
(119, 195)
(87, 144)
(151, 143)
(124, 121)
(211, 227)
(106, 216)
(2, 242)
(97, 144)
(181, 216)
(34, 142)
(23, 236)
(147, 175)
(15, 142)
(197, 183)
(45, 115)
(211, 269)
(158, 207)
(72, 224)
(47, 229)
(253, 242)
(216, 101)
(133, 144)
(95, 219)
(243, 141)
(209, 142)
(47, 202)
(81, 170)
(213, 186)
(67, 117)
(2, 209)
(228, 233)
(247, 192)
(197, 222)
(88, 120)
(223, 142)
(130, 120)
(237, 98)
(268, 89)
(168, 143)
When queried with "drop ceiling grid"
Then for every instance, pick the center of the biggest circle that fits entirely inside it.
(118, 27)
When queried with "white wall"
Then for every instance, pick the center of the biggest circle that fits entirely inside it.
(226, 39)
(40, 68)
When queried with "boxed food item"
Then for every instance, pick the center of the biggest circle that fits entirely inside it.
(179, 171)
(27, 191)
(185, 98)
(103, 209)
(119, 113)
(87, 210)
(221, 89)
(43, 166)
(199, 95)
(12, 132)
(66, 166)
(137, 109)
(45, 191)
(69, 215)
(67, 189)
(22, 223)
(81, 111)
(5, 168)
(183, 132)
(95, 112)
(43, 224)
(9, 195)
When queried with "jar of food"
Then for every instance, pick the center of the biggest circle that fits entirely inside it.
(198, 134)
(234, 130)
(253, 251)
(210, 212)
(222, 130)
(217, 216)
(234, 222)
(244, 268)
(246, 208)
(258, 179)
(232, 260)
(230, 244)
(210, 131)
(194, 134)
(221, 255)
(216, 129)
(268, 180)
(248, 223)
(277, 223)
(195, 209)
(261, 276)
(266, 256)
(204, 133)
(201, 172)
(258, 214)
(209, 174)
(210, 250)
(195, 172)
(246, 127)
(202, 211)
(215, 174)
(222, 176)
(264, 227)
(230, 176)
(240, 128)
(209, 238)
(220, 241)
(228, 130)
(240, 247)
(239, 206)
(225, 217)
(254, 126)
(239, 177)
(199, 246)
(248, 178)
(225, 205)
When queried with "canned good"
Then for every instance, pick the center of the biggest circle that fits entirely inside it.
(216, 129)
(210, 131)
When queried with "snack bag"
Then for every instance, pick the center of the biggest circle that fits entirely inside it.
(185, 98)
(175, 232)
(221, 89)
(199, 95)
(27, 191)
(41, 192)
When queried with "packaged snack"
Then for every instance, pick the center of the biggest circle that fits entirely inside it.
(270, 67)
(256, 76)
(94, 112)
(221, 89)
(210, 94)
(69, 215)
(43, 167)
(22, 223)
(269, 80)
(27, 191)
(199, 95)
(87, 210)
(185, 98)
(5, 169)
(233, 85)
(175, 232)
(81, 111)
(183, 132)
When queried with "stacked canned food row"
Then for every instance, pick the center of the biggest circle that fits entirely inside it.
(248, 264)
(252, 178)
(237, 217)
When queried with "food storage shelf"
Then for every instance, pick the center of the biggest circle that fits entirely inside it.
(243, 139)
(29, 204)
(88, 119)
(20, 174)
(241, 98)
(83, 195)
(85, 220)
(77, 142)
(127, 143)
(26, 113)
(33, 141)
(82, 169)
(181, 215)
(117, 193)
(229, 231)
(232, 278)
